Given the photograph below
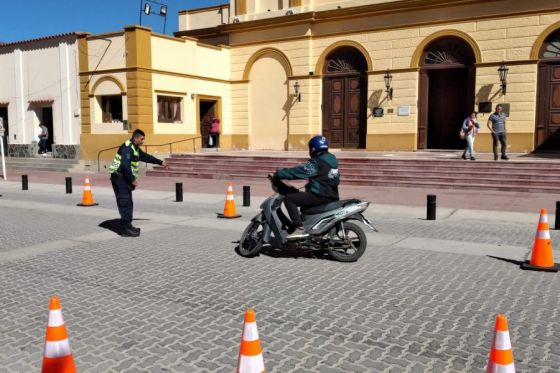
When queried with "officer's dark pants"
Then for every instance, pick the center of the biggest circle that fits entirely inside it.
(303, 200)
(123, 193)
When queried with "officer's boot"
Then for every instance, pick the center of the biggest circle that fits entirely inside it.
(127, 232)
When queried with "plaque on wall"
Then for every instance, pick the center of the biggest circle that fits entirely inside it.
(485, 107)
(404, 110)
(377, 112)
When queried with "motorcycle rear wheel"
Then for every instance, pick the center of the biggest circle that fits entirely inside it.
(251, 240)
(351, 248)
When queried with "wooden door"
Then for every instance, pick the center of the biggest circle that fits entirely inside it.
(207, 113)
(343, 111)
(448, 106)
(47, 119)
(547, 127)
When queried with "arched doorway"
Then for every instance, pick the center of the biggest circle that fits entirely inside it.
(269, 94)
(446, 96)
(345, 98)
(547, 125)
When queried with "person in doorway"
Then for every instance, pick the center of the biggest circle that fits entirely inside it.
(214, 133)
(322, 171)
(497, 125)
(470, 128)
(43, 137)
(124, 178)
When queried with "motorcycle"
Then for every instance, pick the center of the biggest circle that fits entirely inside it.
(329, 227)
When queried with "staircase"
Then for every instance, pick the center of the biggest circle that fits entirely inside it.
(40, 164)
(513, 175)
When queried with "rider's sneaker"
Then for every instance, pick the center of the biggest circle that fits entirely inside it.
(299, 232)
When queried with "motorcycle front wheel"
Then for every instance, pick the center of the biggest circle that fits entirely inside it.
(348, 245)
(251, 240)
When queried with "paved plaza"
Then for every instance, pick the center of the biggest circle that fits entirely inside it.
(423, 298)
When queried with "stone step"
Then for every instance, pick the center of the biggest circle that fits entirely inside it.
(353, 172)
(449, 179)
(389, 169)
(197, 160)
(441, 183)
(514, 175)
(41, 164)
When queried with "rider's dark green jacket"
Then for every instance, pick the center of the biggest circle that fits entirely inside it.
(322, 172)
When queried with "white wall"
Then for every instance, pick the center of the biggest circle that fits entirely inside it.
(41, 70)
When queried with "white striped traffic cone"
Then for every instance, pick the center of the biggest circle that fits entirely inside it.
(250, 354)
(57, 357)
(501, 355)
(229, 206)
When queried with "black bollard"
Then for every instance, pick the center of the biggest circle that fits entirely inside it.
(557, 220)
(178, 192)
(68, 185)
(24, 182)
(246, 195)
(431, 207)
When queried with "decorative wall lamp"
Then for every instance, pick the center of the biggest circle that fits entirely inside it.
(297, 90)
(388, 82)
(503, 70)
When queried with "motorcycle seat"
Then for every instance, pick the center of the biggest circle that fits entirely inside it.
(328, 207)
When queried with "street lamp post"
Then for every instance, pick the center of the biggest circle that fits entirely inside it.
(146, 8)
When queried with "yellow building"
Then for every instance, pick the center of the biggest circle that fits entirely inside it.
(374, 75)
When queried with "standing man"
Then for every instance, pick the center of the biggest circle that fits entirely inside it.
(43, 137)
(124, 178)
(497, 125)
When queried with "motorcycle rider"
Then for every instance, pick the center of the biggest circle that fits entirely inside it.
(322, 171)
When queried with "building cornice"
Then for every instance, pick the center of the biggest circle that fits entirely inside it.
(311, 18)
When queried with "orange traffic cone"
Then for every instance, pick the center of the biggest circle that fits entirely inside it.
(501, 355)
(87, 198)
(57, 357)
(229, 207)
(250, 354)
(542, 258)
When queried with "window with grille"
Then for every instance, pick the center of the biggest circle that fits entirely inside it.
(169, 109)
(111, 108)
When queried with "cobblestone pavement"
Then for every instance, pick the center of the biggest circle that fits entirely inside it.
(423, 298)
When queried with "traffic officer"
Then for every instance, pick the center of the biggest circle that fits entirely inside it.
(124, 178)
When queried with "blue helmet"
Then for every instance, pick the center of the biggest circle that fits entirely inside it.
(317, 144)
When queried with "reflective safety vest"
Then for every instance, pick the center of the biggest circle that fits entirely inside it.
(134, 162)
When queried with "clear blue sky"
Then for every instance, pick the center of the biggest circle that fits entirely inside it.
(29, 19)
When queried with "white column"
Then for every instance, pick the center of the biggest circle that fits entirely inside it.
(20, 99)
(65, 131)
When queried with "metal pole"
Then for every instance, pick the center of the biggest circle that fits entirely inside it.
(24, 182)
(557, 220)
(431, 207)
(141, 11)
(68, 185)
(246, 195)
(178, 192)
(164, 22)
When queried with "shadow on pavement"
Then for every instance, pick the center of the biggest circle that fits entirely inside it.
(113, 225)
(295, 253)
(513, 261)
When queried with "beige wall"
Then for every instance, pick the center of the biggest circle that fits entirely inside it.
(494, 40)
(107, 52)
(270, 104)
